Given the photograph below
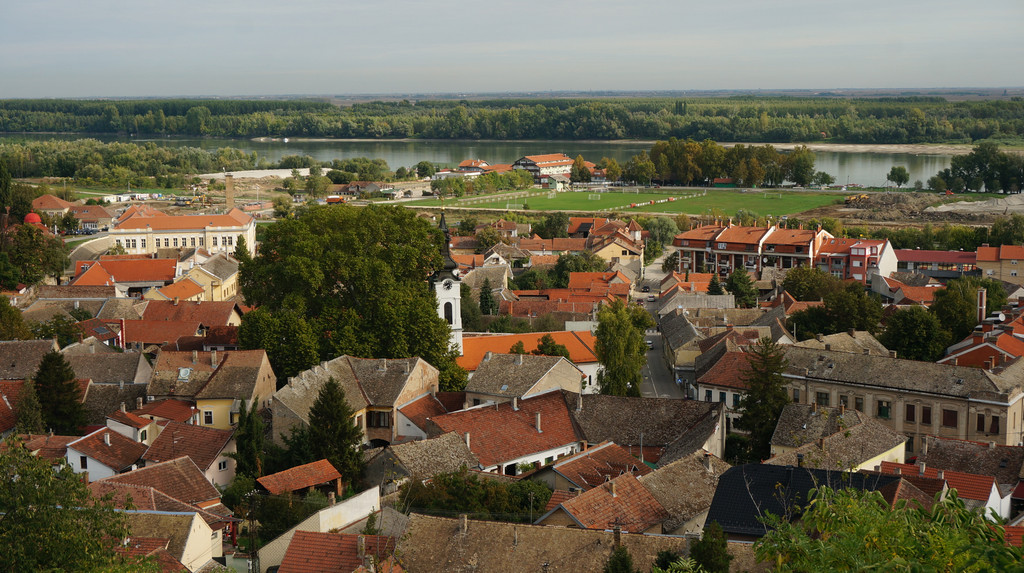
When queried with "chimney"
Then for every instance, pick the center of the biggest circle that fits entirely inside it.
(982, 293)
(924, 446)
(213, 358)
(851, 332)
(991, 445)
(467, 440)
(175, 301)
(892, 354)
(538, 423)
(814, 406)
(821, 443)
(922, 469)
(799, 460)
(195, 356)
(92, 348)
(515, 403)
(138, 403)
(579, 402)
(828, 346)
(940, 474)
(898, 471)
(487, 356)
(707, 461)
(819, 337)
(842, 409)
(382, 366)
(229, 191)
(361, 548)
(611, 488)
(867, 351)
(106, 438)
(331, 499)
(123, 407)
(518, 360)
(617, 536)
(463, 522)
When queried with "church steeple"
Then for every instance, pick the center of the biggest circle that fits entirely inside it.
(448, 288)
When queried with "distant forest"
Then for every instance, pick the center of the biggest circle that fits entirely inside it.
(739, 119)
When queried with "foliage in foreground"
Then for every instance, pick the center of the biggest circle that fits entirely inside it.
(854, 530)
(481, 498)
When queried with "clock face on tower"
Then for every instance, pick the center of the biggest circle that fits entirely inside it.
(448, 284)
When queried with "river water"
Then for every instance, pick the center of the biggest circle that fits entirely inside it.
(865, 168)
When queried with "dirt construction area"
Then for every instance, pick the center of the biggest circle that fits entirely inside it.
(911, 207)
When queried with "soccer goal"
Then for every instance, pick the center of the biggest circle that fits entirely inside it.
(552, 195)
(594, 197)
(510, 206)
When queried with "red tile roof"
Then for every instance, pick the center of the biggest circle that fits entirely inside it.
(791, 237)
(742, 235)
(179, 478)
(313, 552)
(631, 507)
(728, 372)
(591, 468)
(170, 409)
(550, 158)
(10, 395)
(1002, 253)
(500, 434)
(200, 443)
(209, 313)
(579, 344)
(576, 222)
(426, 407)
(142, 546)
(129, 419)
(234, 218)
(706, 233)
(132, 270)
(969, 486)
(300, 477)
(50, 203)
(839, 245)
(47, 446)
(556, 245)
(157, 331)
(119, 454)
(184, 289)
(559, 496)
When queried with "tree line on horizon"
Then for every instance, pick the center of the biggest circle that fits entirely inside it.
(747, 119)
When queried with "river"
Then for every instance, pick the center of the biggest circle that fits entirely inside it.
(865, 168)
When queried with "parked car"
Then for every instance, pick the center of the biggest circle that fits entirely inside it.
(650, 298)
(650, 344)
(645, 288)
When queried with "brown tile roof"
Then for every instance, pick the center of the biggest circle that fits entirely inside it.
(200, 443)
(705, 233)
(102, 399)
(19, 359)
(131, 270)
(383, 380)
(90, 212)
(1004, 463)
(234, 218)
(791, 237)
(10, 395)
(439, 544)
(181, 373)
(499, 433)
(623, 501)
(686, 486)
(744, 235)
(50, 203)
(148, 498)
(300, 477)
(110, 449)
(129, 419)
(904, 490)
(846, 448)
(424, 459)
(209, 313)
(858, 342)
(622, 420)
(142, 546)
(157, 331)
(728, 371)
(175, 527)
(425, 407)
(47, 446)
(179, 478)
(69, 292)
(511, 375)
(559, 496)
(184, 289)
(237, 376)
(122, 308)
(969, 486)
(170, 409)
(593, 467)
(313, 552)
(452, 401)
(112, 368)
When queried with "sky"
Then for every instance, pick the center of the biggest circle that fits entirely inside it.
(141, 48)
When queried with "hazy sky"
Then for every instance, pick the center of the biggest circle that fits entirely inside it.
(73, 48)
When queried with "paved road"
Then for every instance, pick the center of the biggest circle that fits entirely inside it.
(659, 382)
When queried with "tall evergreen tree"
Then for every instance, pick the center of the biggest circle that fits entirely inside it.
(711, 552)
(620, 561)
(741, 287)
(547, 346)
(765, 397)
(487, 303)
(60, 398)
(249, 440)
(333, 433)
(28, 414)
(715, 287)
(620, 347)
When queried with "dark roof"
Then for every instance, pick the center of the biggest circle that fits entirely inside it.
(692, 437)
(596, 465)
(511, 375)
(179, 478)
(300, 477)
(110, 449)
(102, 399)
(236, 376)
(200, 443)
(112, 368)
(1004, 463)
(19, 359)
(677, 329)
(622, 420)
(748, 492)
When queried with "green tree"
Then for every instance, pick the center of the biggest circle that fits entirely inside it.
(856, 530)
(639, 169)
(581, 262)
(425, 169)
(612, 169)
(487, 238)
(809, 283)
(287, 337)
(937, 184)
(36, 254)
(915, 334)
(283, 207)
(579, 172)
(61, 328)
(241, 253)
(316, 185)
(470, 310)
(553, 225)
(662, 230)
(956, 305)
(517, 348)
(852, 307)
(765, 397)
(711, 552)
(823, 179)
(620, 347)
(463, 492)
(249, 439)
(740, 285)
(715, 286)
(898, 175)
(488, 305)
(800, 163)
(547, 346)
(60, 397)
(333, 433)
(12, 325)
(620, 561)
(28, 412)
(51, 522)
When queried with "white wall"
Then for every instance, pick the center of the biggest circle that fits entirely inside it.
(95, 468)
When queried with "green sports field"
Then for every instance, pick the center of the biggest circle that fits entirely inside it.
(690, 201)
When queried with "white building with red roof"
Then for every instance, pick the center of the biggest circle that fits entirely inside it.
(725, 248)
(146, 233)
(856, 259)
(544, 165)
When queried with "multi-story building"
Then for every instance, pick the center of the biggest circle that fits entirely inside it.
(857, 259)
(543, 165)
(1003, 263)
(145, 234)
(727, 248)
(941, 265)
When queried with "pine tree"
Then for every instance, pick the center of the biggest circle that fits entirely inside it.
(620, 561)
(249, 437)
(333, 433)
(741, 287)
(487, 303)
(60, 398)
(29, 418)
(765, 397)
(548, 347)
(518, 348)
(711, 552)
(715, 287)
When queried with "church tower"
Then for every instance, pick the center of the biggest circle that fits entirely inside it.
(448, 288)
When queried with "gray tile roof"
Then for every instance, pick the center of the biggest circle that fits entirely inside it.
(677, 330)
(220, 266)
(693, 434)
(45, 312)
(1004, 463)
(844, 449)
(122, 308)
(71, 292)
(19, 359)
(426, 458)
(88, 345)
(106, 368)
(177, 527)
(237, 375)
(857, 341)
(383, 379)
(801, 424)
(104, 399)
(903, 375)
(686, 486)
(511, 374)
(623, 420)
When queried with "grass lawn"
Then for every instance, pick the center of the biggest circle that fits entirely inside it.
(690, 201)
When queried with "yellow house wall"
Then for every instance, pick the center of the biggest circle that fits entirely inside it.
(221, 413)
(613, 251)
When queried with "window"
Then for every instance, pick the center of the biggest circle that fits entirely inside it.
(1013, 273)
(911, 415)
(735, 400)
(476, 401)
(207, 417)
(796, 395)
(858, 404)
(448, 314)
(548, 460)
(193, 241)
(821, 398)
(707, 395)
(142, 436)
(83, 462)
(857, 263)
(215, 241)
(222, 465)
(722, 245)
(882, 409)
(231, 241)
(981, 422)
(926, 414)
(949, 418)
(1013, 261)
(167, 242)
(378, 419)
(721, 397)
(994, 426)
(175, 241)
(201, 241)
(910, 444)
(143, 243)
(624, 252)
